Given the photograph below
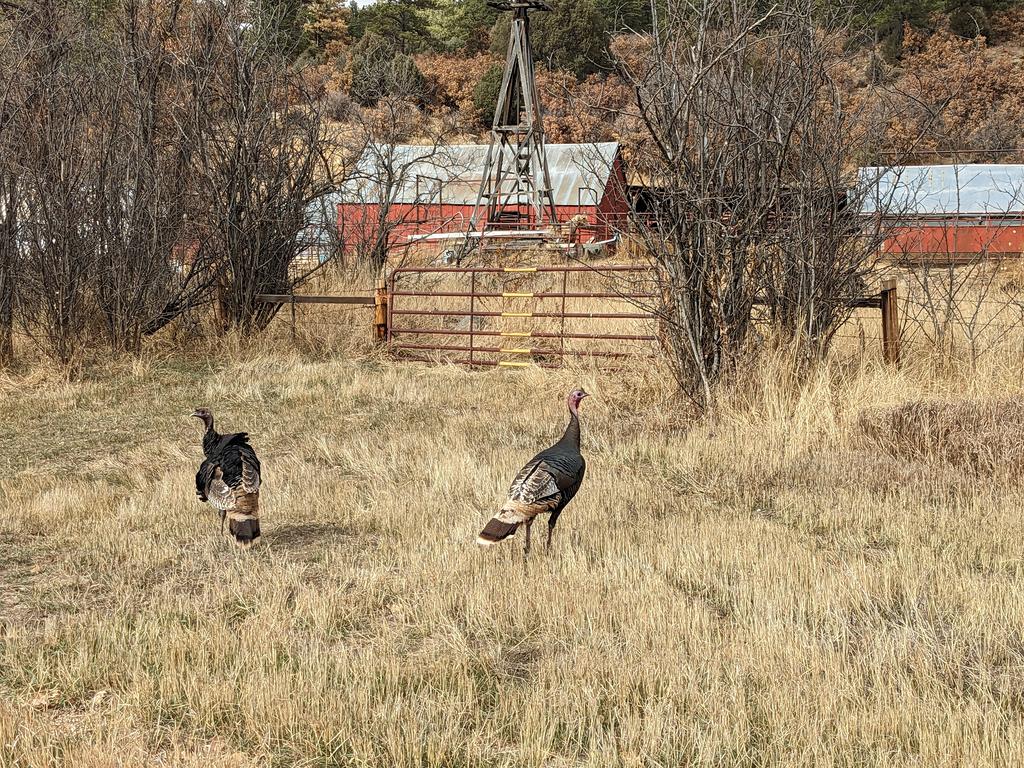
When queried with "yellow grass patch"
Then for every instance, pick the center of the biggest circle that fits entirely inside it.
(776, 584)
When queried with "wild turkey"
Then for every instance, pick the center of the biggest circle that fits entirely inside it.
(546, 484)
(229, 479)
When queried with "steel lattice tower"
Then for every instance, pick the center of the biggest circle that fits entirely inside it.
(515, 191)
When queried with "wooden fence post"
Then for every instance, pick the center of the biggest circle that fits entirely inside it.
(380, 313)
(293, 313)
(890, 322)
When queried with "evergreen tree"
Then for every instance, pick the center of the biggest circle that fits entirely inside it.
(326, 26)
(402, 21)
(969, 18)
(462, 25)
(883, 21)
(377, 70)
(356, 20)
(485, 93)
(573, 36)
(619, 15)
(287, 18)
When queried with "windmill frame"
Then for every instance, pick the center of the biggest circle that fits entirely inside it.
(515, 189)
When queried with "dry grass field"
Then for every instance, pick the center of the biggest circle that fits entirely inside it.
(820, 575)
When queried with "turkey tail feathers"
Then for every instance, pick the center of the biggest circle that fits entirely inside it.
(495, 531)
(246, 532)
(244, 520)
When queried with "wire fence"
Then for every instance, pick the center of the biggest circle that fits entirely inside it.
(335, 321)
(518, 316)
(972, 309)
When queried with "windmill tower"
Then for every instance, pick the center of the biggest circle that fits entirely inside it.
(515, 191)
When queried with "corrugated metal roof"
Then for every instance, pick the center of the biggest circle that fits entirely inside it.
(579, 173)
(938, 190)
(321, 228)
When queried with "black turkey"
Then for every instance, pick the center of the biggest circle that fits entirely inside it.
(546, 484)
(229, 479)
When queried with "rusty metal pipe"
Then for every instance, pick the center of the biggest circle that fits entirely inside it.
(517, 295)
(531, 351)
(555, 315)
(527, 334)
(519, 270)
(474, 363)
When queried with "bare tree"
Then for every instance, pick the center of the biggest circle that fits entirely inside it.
(752, 162)
(95, 194)
(153, 156)
(12, 93)
(55, 160)
(385, 184)
(142, 170)
(818, 252)
(711, 152)
(259, 161)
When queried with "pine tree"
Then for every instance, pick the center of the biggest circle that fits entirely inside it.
(357, 20)
(619, 15)
(377, 70)
(286, 18)
(327, 27)
(462, 26)
(485, 93)
(573, 36)
(402, 21)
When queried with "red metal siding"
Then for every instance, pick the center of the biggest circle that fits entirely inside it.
(358, 223)
(614, 208)
(956, 239)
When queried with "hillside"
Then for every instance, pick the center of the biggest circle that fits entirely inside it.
(956, 86)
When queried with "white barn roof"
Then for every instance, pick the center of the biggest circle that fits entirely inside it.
(451, 174)
(944, 190)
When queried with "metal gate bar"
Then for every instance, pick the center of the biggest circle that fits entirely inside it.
(527, 334)
(526, 295)
(549, 315)
(518, 351)
(522, 270)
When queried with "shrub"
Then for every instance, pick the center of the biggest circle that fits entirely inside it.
(485, 93)
(377, 70)
(969, 21)
(337, 105)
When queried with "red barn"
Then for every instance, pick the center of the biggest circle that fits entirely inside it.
(948, 212)
(409, 193)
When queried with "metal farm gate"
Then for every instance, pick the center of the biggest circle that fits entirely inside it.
(520, 316)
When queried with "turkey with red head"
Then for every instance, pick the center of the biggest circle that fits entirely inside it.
(229, 479)
(546, 484)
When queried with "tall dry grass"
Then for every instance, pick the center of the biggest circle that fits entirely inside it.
(806, 577)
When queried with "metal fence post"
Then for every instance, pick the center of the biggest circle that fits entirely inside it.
(293, 313)
(380, 313)
(561, 336)
(472, 314)
(890, 322)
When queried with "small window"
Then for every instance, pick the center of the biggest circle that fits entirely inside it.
(428, 194)
(586, 196)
